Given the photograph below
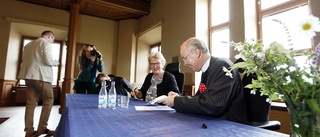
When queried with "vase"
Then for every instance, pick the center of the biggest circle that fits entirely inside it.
(303, 122)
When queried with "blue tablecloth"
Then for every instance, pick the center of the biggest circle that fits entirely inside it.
(82, 118)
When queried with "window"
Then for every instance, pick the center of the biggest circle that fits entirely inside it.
(219, 12)
(55, 55)
(155, 47)
(219, 28)
(273, 28)
(265, 4)
(279, 20)
(217, 37)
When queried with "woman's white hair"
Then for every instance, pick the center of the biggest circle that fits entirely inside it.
(157, 55)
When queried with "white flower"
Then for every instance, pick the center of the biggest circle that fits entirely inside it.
(253, 92)
(251, 41)
(268, 100)
(228, 72)
(238, 47)
(310, 26)
(260, 55)
(280, 96)
(240, 56)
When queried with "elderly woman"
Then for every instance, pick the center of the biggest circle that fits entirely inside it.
(158, 82)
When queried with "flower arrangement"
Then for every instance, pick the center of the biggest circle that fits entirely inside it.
(280, 77)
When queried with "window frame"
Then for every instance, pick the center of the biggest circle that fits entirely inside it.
(275, 10)
(156, 46)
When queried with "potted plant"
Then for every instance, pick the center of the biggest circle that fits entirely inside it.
(280, 77)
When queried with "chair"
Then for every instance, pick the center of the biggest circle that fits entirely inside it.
(257, 108)
(174, 69)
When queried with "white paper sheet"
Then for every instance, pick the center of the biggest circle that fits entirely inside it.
(157, 99)
(152, 108)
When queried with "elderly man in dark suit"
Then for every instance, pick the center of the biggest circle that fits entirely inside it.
(219, 95)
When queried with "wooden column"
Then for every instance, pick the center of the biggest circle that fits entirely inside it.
(67, 84)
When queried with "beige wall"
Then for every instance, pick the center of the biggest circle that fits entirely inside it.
(103, 34)
(17, 18)
(12, 59)
(125, 65)
(11, 12)
(177, 19)
(236, 24)
(142, 64)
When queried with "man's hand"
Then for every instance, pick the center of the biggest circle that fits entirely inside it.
(136, 93)
(93, 58)
(169, 101)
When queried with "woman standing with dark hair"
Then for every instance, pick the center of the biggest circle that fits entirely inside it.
(89, 61)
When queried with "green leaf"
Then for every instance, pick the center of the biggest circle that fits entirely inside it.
(313, 105)
(239, 65)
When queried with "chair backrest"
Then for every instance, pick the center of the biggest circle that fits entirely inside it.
(174, 69)
(258, 108)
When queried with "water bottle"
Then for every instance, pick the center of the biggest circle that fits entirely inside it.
(103, 95)
(112, 96)
(119, 100)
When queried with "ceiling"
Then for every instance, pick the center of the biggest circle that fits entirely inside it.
(108, 9)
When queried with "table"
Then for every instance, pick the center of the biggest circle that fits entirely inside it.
(82, 118)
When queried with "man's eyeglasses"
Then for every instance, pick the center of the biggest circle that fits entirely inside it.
(155, 64)
(185, 57)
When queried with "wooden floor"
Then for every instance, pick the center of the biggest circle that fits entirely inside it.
(14, 126)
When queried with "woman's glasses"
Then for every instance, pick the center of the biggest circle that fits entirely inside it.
(89, 45)
(155, 64)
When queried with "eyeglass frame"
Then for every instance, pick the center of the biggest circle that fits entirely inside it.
(155, 64)
(186, 57)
